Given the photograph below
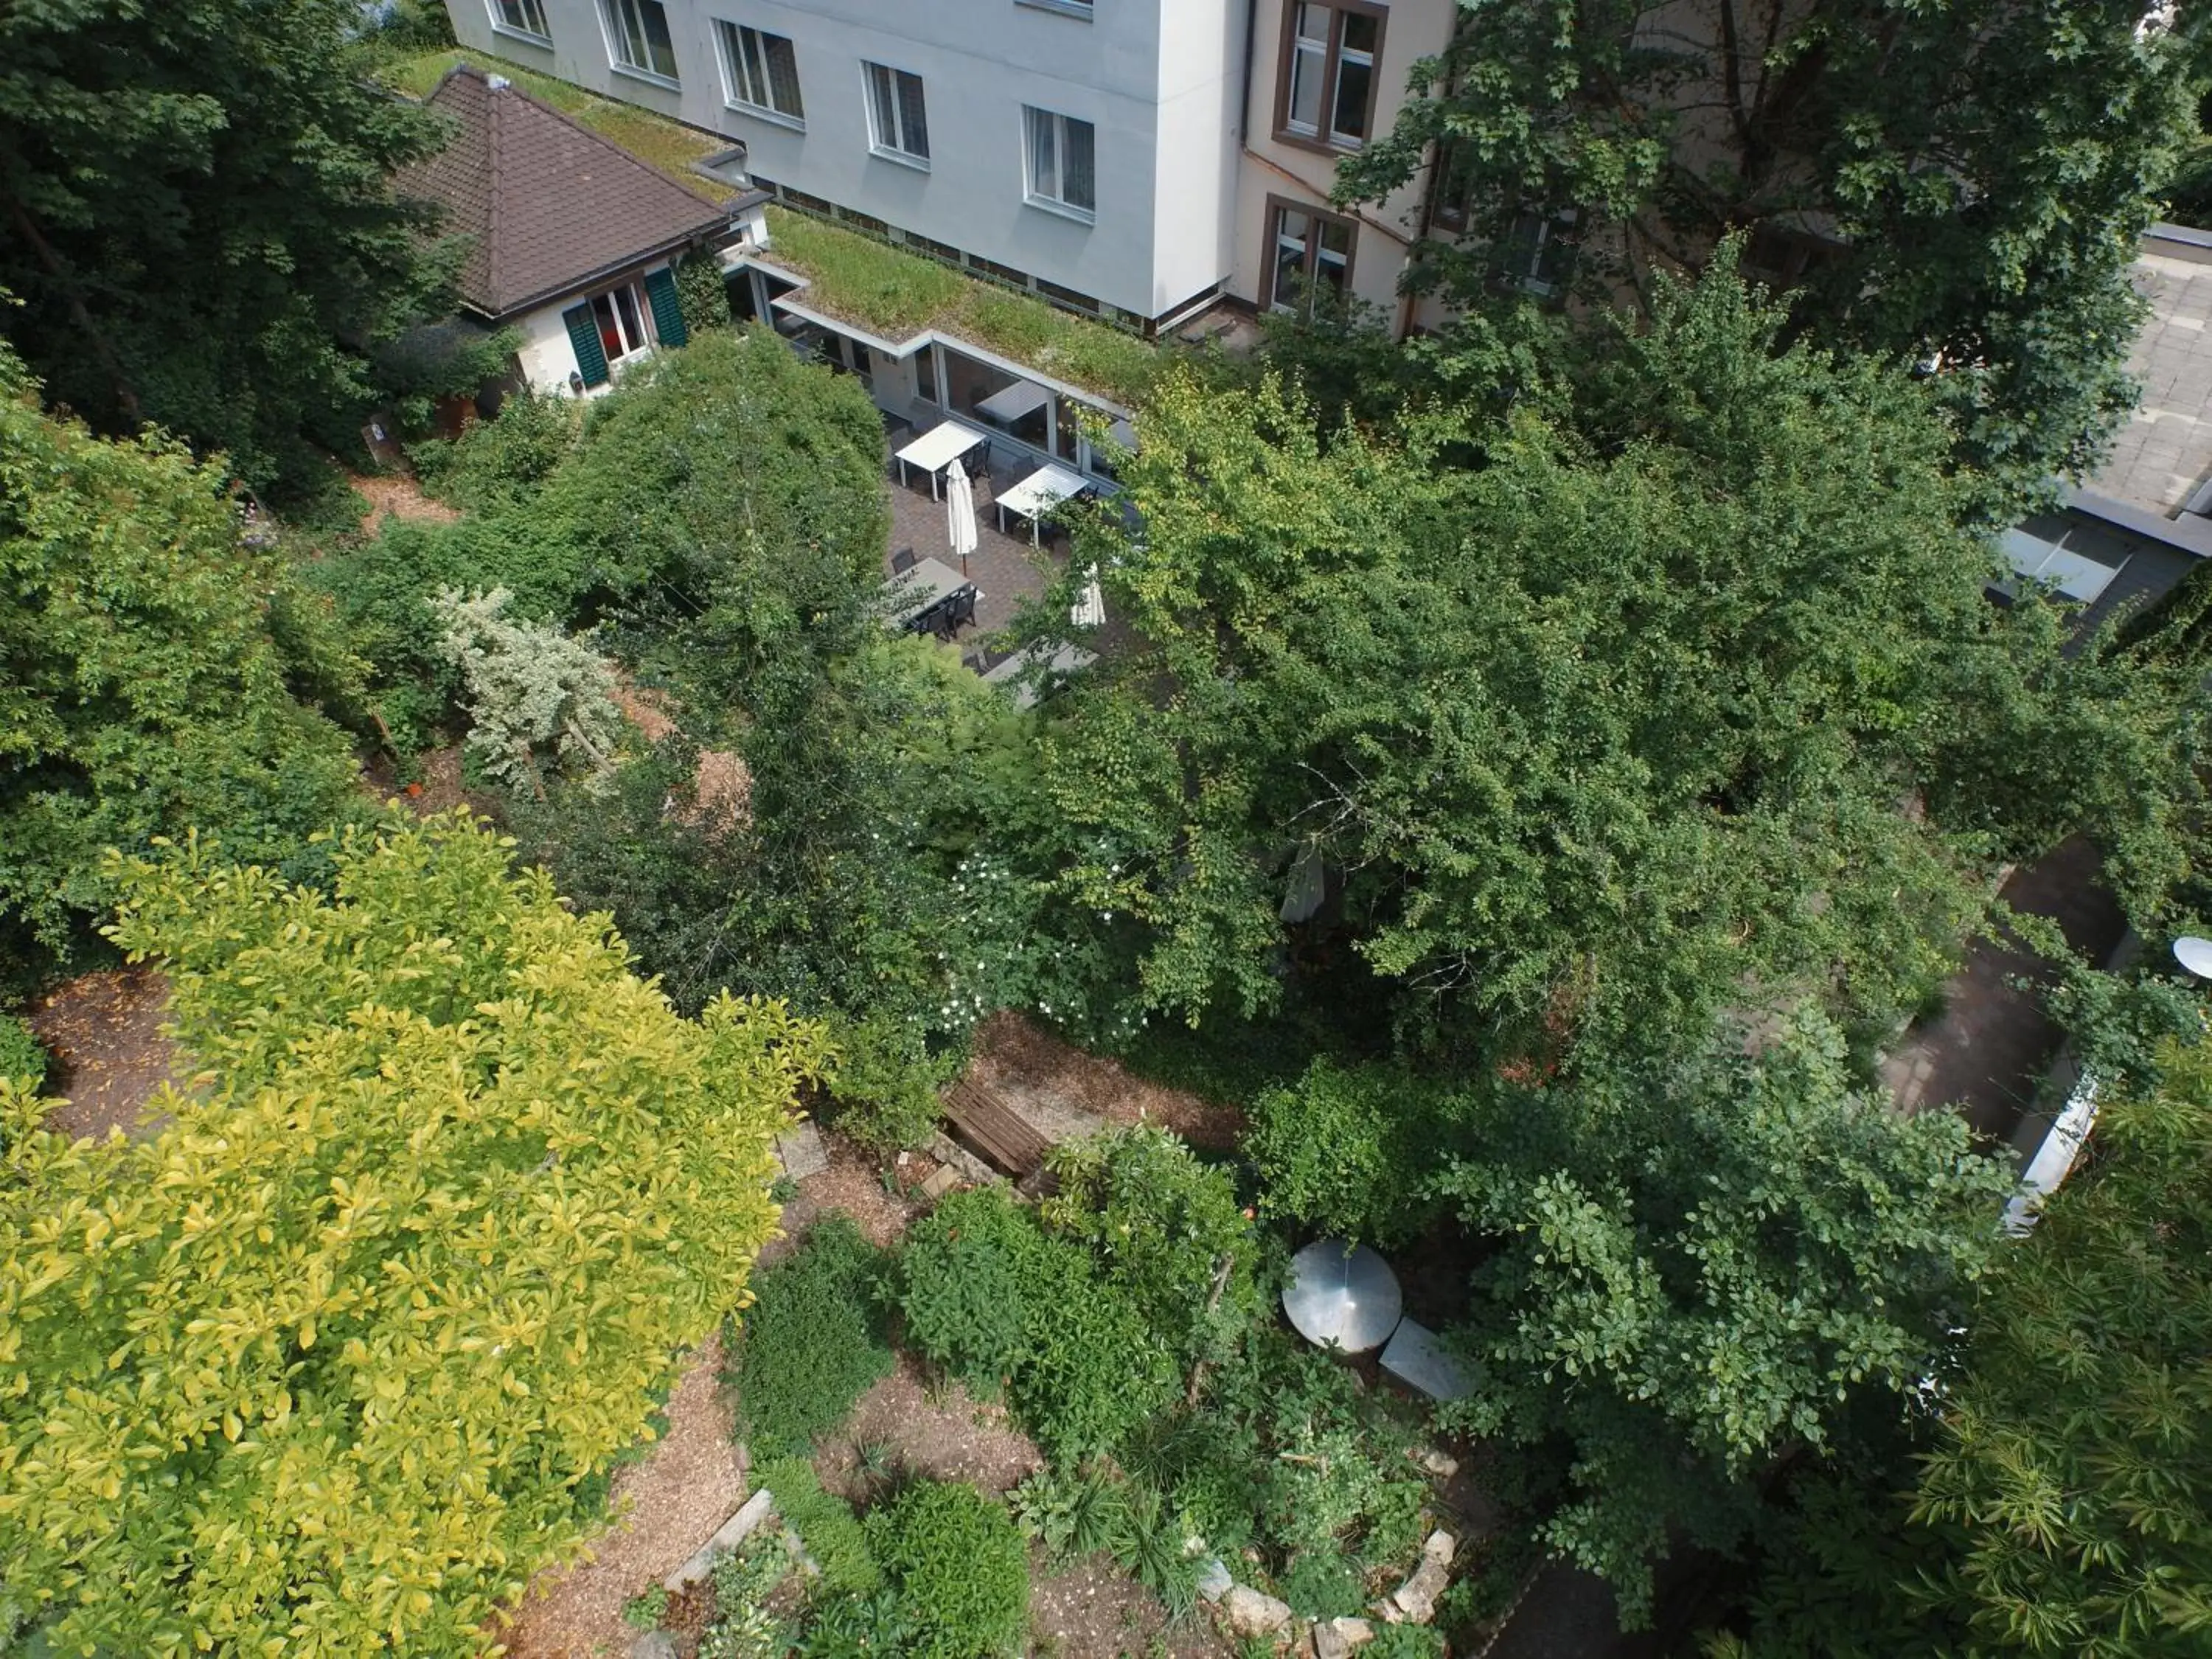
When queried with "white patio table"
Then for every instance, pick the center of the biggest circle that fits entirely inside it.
(1037, 495)
(938, 448)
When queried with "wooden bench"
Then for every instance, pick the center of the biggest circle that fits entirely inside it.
(993, 1130)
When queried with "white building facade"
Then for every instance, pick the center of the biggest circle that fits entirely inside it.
(1135, 159)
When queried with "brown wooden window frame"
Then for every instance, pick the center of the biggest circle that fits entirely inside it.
(1331, 70)
(1277, 206)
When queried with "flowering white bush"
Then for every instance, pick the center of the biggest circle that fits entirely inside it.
(531, 691)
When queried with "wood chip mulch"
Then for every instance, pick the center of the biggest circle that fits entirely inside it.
(104, 1032)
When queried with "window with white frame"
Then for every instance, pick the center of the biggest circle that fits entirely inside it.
(620, 314)
(1328, 78)
(637, 31)
(760, 72)
(898, 126)
(1310, 256)
(521, 17)
(1063, 154)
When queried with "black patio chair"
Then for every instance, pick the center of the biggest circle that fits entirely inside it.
(902, 561)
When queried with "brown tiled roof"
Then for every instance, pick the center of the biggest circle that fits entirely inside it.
(548, 205)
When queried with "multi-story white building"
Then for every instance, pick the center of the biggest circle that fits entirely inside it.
(1136, 159)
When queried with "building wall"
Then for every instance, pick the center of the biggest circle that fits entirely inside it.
(1293, 172)
(1162, 95)
(547, 357)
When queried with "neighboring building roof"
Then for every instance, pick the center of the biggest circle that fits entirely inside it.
(2164, 451)
(549, 206)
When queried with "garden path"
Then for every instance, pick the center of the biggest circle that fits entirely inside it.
(674, 1500)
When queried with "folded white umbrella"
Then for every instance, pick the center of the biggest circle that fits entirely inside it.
(1088, 610)
(960, 513)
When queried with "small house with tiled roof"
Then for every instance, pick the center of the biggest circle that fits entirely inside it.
(569, 239)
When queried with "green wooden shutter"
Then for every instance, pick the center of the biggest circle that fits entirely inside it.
(667, 313)
(584, 335)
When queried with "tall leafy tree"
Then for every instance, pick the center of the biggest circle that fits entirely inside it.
(2074, 1465)
(2060, 1501)
(1699, 1265)
(153, 658)
(330, 1363)
(199, 227)
(1968, 179)
(1670, 705)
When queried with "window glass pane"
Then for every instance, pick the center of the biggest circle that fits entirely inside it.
(883, 107)
(1305, 88)
(660, 50)
(1313, 24)
(1044, 171)
(914, 126)
(1336, 237)
(1361, 31)
(1355, 81)
(626, 310)
(753, 77)
(1290, 227)
(925, 373)
(603, 314)
(1079, 164)
(783, 75)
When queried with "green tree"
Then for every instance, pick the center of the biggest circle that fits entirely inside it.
(2072, 1462)
(321, 1365)
(1632, 723)
(2059, 1500)
(1961, 183)
(200, 225)
(152, 656)
(1698, 1266)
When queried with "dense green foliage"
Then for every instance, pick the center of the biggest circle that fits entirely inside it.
(2060, 1501)
(960, 1569)
(1350, 1151)
(1165, 1230)
(825, 1523)
(811, 1342)
(153, 658)
(2074, 1460)
(324, 1364)
(1622, 727)
(1720, 1253)
(22, 1056)
(199, 219)
(968, 1271)
(1962, 182)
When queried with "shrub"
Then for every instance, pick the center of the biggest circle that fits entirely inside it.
(1340, 1151)
(960, 1567)
(884, 1091)
(703, 293)
(825, 1523)
(538, 699)
(22, 1056)
(496, 463)
(646, 1611)
(811, 1343)
(967, 1274)
(1165, 1229)
(1072, 1514)
(425, 1243)
(1095, 1370)
(845, 1626)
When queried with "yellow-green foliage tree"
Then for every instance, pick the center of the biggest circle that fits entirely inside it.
(319, 1368)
